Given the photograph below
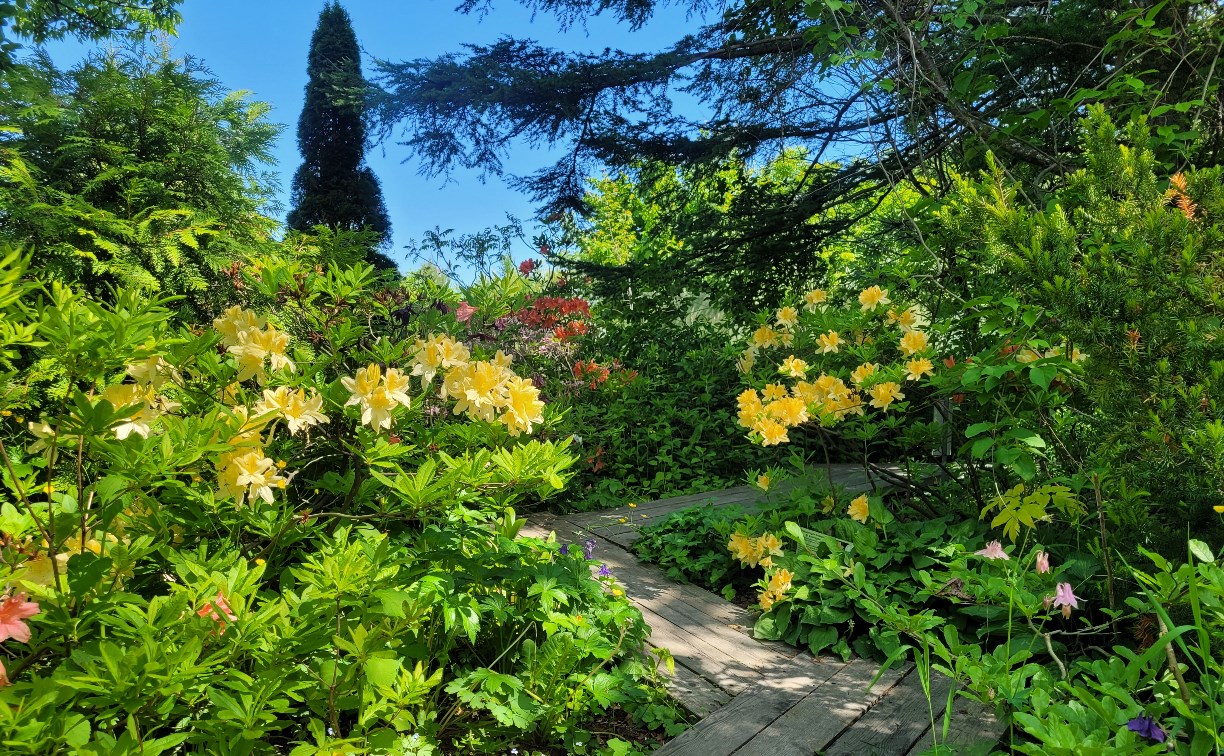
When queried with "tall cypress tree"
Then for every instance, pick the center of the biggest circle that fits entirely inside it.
(334, 187)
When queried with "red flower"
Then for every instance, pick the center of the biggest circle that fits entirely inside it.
(526, 266)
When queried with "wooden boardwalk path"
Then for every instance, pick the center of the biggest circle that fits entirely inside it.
(760, 698)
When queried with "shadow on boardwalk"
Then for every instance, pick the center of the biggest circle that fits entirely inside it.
(760, 698)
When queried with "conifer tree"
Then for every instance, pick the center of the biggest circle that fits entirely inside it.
(334, 187)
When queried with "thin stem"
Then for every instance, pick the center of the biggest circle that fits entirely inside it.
(30, 510)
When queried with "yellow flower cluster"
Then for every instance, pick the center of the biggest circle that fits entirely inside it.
(754, 551)
(377, 395)
(247, 473)
(771, 413)
(252, 342)
(779, 584)
(298, 409)
(141, 404)
(483, 389)
(437, 354)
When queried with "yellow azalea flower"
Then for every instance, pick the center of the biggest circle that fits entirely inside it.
(814, 299)
(502, 359)
(1027, 355)
(774, 391)
(764, 337)
(793, 367)
(913, 342)
(862, 373)
(479, 388)
(766, 600)
(907, 320)
(789, 411)
(153, 372)
(377, 408)
(234, 321)
(829, 342)
(363, 384)
(763, 481)
(917, 368)
(772, 433)
(740, 546)
(884, 394)
(297, 408)
(141, 412)
(806, 392)
(437, 354)
(396, 383)
(872, 297)
(858, 509)
(780, 581)
(786, 338)
(247, 473)
(523, 406)
(749, 398)
(788, 317)
(744, 364)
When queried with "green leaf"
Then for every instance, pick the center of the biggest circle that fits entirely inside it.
(1042, 375)
(977, 429)
(1201, 551)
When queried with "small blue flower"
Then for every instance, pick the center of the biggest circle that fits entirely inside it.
(1147, 727)
(604, 571)
(565, 549)
(588, 547)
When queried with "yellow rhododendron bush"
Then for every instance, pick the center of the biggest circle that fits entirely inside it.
(287, 525)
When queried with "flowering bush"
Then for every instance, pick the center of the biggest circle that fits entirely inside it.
(286, 532)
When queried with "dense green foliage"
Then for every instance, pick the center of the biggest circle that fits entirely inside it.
(132, 169)
(258, 496)
(334, 187)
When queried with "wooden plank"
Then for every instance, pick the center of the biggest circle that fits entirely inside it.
(727, 729)
(708, 661)
(696, 694)
(895, 723)
(973, 729)
(723, 624)
(825, 713)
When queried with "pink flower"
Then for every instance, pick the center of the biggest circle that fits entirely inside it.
(1043, 563)
(14, 610)
(4, 681)
(993, 550)
(1066, 599)
(526, 266)
(219, 604)
(464, 312)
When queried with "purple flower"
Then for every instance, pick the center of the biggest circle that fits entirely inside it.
(604, 571)
(1147, 727)
(565, 549)
(588, 547)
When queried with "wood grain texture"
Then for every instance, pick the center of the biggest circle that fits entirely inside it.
(825, 713)
(752, 711)
(896, 722)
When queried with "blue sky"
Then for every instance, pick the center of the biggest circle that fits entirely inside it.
(261, 46)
